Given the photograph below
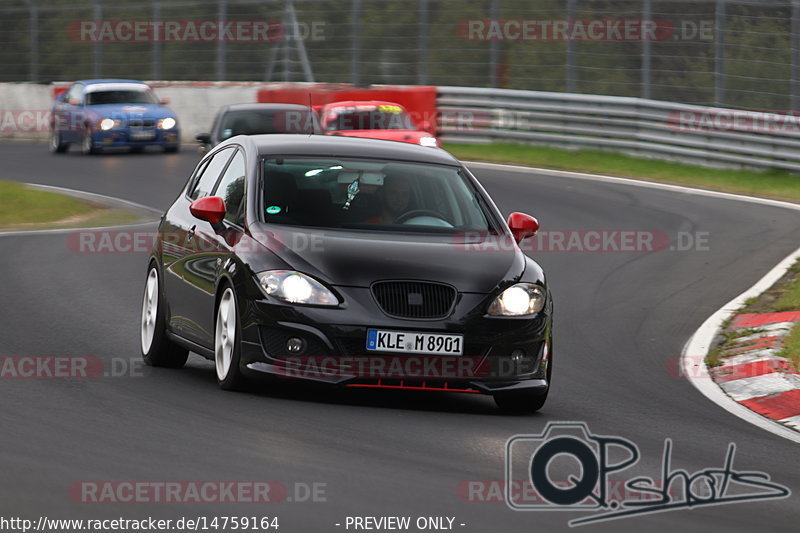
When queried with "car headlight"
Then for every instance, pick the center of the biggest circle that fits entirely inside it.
(429, 142)
(166, 123)
(108, 123)
(296, 287)
(522, 299)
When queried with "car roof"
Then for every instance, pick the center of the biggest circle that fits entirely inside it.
(340, 146)
(109, 80)
(266, 106)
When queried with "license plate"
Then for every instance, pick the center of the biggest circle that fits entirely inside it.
(410, 342)
(142, 135)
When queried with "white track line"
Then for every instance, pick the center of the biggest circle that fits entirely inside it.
(639, 183)
(700, 342)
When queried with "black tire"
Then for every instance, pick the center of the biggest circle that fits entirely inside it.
(57, 146)
(137, 149)
(160, 351)
(87, 146)
(229, 378)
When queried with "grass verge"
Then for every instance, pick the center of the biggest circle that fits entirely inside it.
(784, 295)
(778, 184)
(791, 349)
(25, 208)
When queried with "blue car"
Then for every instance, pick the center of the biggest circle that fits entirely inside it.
(99, 114)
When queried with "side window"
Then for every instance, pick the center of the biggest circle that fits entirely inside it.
(231, 188)
(196, 173)
(75, 92)
(205, 184)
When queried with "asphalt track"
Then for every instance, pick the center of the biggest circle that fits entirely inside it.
(621, 321)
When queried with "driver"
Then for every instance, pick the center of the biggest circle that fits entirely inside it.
(394, 198)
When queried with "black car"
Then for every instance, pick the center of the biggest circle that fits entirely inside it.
(353, 262)
(256, 119)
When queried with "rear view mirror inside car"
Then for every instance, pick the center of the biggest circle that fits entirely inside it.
(365, 177)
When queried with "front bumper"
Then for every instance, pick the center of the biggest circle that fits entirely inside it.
(499, 354)
(120, 138)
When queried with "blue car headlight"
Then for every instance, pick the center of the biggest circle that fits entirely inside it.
(109, 123)
(167, 123)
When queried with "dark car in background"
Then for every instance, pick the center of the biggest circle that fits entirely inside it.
(112, 113)
(348, 261)
(257, 119)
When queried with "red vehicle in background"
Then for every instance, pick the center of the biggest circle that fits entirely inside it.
(375, 120)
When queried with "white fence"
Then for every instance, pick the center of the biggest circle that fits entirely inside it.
(650, 128)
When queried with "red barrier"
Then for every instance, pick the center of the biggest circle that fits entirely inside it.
(59, 89)
(419, 100)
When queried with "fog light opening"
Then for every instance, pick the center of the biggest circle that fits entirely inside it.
(517, 356)
(295, 345)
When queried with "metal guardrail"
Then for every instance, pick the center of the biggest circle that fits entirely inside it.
(636, 126)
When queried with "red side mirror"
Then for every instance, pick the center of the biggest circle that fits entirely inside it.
(164, 101)
(211, 209)
(522, 225)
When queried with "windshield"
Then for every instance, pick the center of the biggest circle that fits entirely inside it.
(254, 122)
(382, 117)
(371, 195)
(120, 97)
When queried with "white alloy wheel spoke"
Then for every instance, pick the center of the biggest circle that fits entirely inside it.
(225, 334)
(149, 310)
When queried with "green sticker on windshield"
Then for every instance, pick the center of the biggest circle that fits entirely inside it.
(273, 210)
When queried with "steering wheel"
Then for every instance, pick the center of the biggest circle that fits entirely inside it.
(408, 215)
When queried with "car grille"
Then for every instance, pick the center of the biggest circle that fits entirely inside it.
(414, 299)
(142, 123)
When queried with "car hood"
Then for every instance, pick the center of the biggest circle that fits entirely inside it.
(357, 259)
(131, 111)
(409, 136)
